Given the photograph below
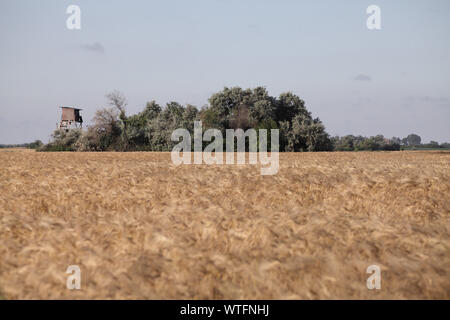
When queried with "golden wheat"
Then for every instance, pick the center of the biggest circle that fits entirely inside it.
(141, 228)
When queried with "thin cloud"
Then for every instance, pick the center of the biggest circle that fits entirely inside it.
(428, 99)
(362, 77)
(96, 47)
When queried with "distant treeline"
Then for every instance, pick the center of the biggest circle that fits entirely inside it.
(32, 145)
(232, 108)
(379, 142)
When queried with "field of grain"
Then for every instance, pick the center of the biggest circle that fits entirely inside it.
(141, 228)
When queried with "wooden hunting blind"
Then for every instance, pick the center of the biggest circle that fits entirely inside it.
(70, 118)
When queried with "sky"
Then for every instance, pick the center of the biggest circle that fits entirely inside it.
(393, 81)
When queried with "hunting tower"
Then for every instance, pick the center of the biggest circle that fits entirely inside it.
(70, 118)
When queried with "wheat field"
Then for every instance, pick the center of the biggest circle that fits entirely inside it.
(140, 227)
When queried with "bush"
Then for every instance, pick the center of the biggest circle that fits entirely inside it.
(63, 140)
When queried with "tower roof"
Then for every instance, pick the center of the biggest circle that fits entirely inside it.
(70, 108)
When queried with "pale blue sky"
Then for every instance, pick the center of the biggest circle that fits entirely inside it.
(393, 81)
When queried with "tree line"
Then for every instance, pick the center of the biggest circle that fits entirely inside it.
(232, 108)
(32, 145)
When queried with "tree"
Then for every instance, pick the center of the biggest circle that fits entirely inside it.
(262, 110)
(225, 102)
(173, 113)
(140, 126)
(255, 108)
(106, 130)
(238, 108)
(434, 144)
(63, 140)
(151, 111)
(346, 143)
(413, 139)
(35, 144)
(367, 144)
(404, 141)
(396, 140)
(289, 105)
(136, 133)
(310, 135)
(210, 118)
(161, 123)
(117, 100)
(240, 118)
(190, 114)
